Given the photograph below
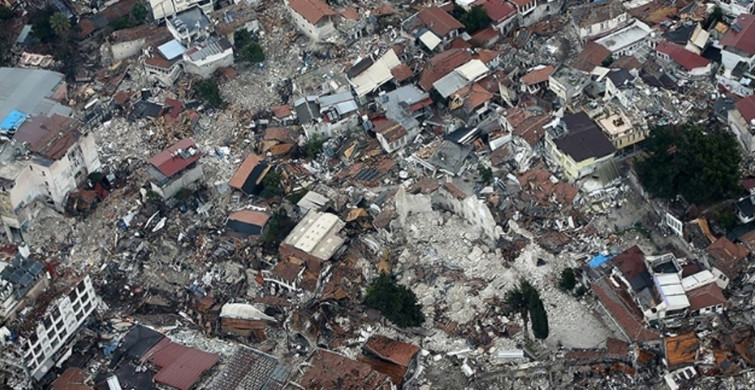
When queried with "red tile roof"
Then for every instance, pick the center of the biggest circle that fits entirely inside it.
(180, 366)
(245, 169)
(394, 351)
(623, 315)
(687, 59)
(531, 129)
(486, 55)
(50, 137)
(744, 39)
(439, 21)
(251, 217)
(281, 111)
(350, 13)
(537, 76)
(312, 10)
(728, 257)
(328, 370)
(442, 64)
(746, 107)
(707, 296)
(498, 10)
(631, 262)
(402, 72)
(71, 379)
(176, 158)
(522, 3)
(591, 56)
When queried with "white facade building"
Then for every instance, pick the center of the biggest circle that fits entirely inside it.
(204, 60)
(312, 17)
(46, 345)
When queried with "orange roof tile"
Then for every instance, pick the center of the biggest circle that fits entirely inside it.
(246, 167)
(312, 10)
(537, 76)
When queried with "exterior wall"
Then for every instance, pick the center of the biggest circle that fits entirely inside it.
(57, 328)
(164, 8)
(286, 250)
(65, 174)
(126, 49)
(732, 9)
(322, 30)
(391, 147)
(473, 210)
(186, 179)
(721, 279)
(628, 139)
(167, 77)
(534, 12)
(574, 170)
(328, 130)
(11, 306)
(730, 59)
(604, 27)
(506, 26)
(741, 130)
(209, 65)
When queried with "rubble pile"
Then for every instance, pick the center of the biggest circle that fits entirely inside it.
(207, 197)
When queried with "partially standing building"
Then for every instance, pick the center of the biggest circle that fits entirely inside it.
(175, 168)
(314, 18)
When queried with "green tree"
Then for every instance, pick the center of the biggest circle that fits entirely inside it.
(60, 25)
(716, 16)
(271, 185)
(475, 20)
(567, 281)
(607, 61)
(539, 317)
(241, 38)
(139, 13)
(209, 92)
(277, 228)
(517, 300)
(394, 301)
(313, 147)
(253, 53)
(486, 174)
(702, 166)
(5, 13)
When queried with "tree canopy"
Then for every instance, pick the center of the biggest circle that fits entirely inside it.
(60, 24)
(396, 302)
(525, 300)
(539, 317)
(702, 166)
(209, 92)
(567, 281)
(241, 38)
(253, 53)
(476, 19)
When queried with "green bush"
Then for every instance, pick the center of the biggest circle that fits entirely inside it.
(394, 301)
(567, 281)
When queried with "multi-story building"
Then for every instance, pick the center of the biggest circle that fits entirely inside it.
(164, 8)
(175, 168)
(312, 17)
(203, 60)
(580, 147)
(49, 154)
(51, 338)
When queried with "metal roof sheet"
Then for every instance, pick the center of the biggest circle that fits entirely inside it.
(177, 157)
(472, 70)
(171, 50)
(430, 40)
